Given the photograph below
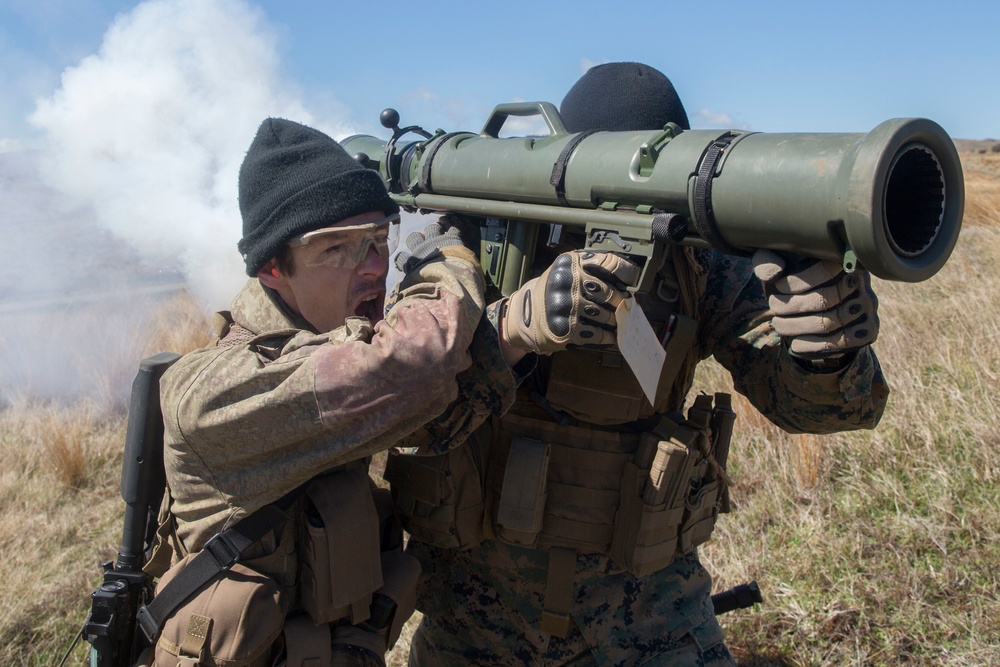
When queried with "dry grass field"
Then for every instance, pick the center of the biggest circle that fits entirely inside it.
(873, 548)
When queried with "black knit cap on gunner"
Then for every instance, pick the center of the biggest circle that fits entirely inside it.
(294, 180)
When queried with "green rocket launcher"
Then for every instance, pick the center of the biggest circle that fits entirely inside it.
(890, 201)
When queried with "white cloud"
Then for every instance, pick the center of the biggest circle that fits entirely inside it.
(142, 142)
(10, 145)
(707, 119)
(422, 95)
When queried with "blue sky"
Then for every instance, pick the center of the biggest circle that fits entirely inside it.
(777, 66)
(139, 113)
(123, 123)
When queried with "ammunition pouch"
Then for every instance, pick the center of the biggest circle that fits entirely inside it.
(572, 503)
(642, 499)
(234, 621)
(309, 644)
(355, 585)
(306, 644)
(354, 575)
(439, 499)
(672, 494)
(339, 557)
(594, 386)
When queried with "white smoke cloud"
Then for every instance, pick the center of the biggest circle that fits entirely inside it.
(135, 190)
(151, 130)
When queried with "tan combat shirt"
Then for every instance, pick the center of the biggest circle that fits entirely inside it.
(248, 423)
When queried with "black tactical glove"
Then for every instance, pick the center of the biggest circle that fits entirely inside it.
(819, 310)
(571, 304)
(449, 230)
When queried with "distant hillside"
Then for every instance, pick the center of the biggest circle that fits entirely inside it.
(977, 145)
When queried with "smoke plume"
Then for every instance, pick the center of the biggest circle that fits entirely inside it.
(135, 189)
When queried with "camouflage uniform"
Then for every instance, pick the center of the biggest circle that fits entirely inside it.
(483, 605)
(275, 404)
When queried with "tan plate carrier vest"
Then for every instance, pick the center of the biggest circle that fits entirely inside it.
(356, 588)
(588, 485)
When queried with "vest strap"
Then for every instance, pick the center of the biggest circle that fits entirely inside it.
(678, 339)
(559, 592)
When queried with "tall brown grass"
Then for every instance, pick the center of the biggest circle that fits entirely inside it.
(64, 443)
(872, 548)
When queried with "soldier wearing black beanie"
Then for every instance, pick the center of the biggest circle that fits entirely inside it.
(622, 96)
(295, 179)
(309, 376)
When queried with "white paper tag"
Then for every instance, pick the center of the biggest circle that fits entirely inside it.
(640, 347)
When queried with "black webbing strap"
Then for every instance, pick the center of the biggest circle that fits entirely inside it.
(219, 554)
(704, 217)
(558, 178)
(425, 173)
(668, 227)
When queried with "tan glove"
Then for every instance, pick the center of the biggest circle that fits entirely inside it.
(572, 304)
(820, 311)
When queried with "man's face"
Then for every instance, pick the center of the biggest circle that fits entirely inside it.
(338, 272)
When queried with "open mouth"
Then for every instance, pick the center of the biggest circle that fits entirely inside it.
(371, 307)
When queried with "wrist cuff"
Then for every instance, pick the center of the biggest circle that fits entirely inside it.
(460, 252)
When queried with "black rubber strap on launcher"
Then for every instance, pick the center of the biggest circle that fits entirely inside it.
(425, 173)
(558, 178)
(704, 217)
(668, 227)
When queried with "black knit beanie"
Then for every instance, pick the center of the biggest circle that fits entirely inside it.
(622, 96)
(295, 179)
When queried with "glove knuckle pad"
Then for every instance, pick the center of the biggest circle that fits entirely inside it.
(558, 308)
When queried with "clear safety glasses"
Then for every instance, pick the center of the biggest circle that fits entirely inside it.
(346, 247)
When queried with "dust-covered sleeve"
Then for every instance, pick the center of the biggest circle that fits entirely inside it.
(735, 326)
(257, 428)
(486, 388)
